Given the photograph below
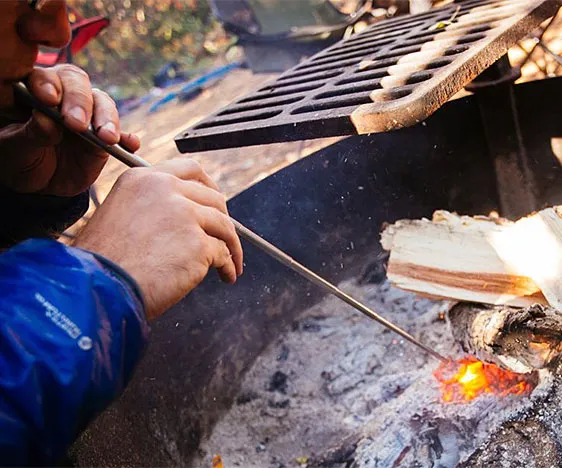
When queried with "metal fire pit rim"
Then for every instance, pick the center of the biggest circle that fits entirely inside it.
(160, 409)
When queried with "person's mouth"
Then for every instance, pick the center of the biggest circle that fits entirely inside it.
(23, 69)
(6, 92)
(20, 76)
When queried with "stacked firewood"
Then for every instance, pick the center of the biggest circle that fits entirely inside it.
(506, 275)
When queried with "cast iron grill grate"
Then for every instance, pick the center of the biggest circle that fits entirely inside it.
(393, 74)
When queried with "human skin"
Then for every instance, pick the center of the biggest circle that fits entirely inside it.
(166, 225)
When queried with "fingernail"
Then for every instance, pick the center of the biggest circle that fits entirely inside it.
(110, 127)
(77, 113)
(49, 90)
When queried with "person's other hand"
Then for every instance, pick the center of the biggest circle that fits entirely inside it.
(166, 226)
(38, 156)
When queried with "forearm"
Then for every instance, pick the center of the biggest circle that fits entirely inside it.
(72, 328)
(25, 216)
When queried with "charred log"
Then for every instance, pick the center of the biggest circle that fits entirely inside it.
(518, 444)
(336, 457)
(530, 439)
(519, 339)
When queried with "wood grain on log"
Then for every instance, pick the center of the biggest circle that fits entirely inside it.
(519, 339)
(453, 256)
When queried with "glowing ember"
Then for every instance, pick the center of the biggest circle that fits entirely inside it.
(217, 462)
(468, 378)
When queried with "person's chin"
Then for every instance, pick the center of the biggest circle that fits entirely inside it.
(6, 95)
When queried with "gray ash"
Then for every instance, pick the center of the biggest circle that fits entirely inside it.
(337, 390)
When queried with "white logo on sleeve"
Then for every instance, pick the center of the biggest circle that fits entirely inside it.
(85, 343)
(64, 323)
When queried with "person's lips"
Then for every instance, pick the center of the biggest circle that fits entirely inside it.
(21, 68)
(20, 75)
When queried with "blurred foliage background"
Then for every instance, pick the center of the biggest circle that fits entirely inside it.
(144, 35)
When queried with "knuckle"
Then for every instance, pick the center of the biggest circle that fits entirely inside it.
(160, 184)
(225, 251)
(81, 94)
(161, 180)
(191, 185)
(228, 227)
(183, 211)
(195, 165)
(104, 96)
(73, 70)
(201, 245)
(38, 71)
(193, 162)
(42, 75)
(223, 205)
(133, 177)
(223, 254)
(218, 200)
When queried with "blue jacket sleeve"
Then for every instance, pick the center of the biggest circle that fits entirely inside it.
(72, 328)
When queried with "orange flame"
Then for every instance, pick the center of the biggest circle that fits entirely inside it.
(468, 378)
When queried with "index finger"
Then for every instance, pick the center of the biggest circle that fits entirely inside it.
(219, 226)
(77, 98)
(45, 85)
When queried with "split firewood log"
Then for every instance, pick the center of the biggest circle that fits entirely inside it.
(520, 339)
(488, 260)
(479, 259)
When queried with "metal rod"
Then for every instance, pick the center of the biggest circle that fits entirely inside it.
(130, 159)
(297, 267)
(133, 160)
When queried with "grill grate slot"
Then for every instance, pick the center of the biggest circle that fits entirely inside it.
(335, 104)
(376, 64)
(367, 37)
(241, 119)
(349, 55)
(375, 74)
(262, 105)
(309, 79)
(285, 92)
(317, 69)
(368, 47)
(360, 98)
(393, 74)
(349, 90)
(418, 77)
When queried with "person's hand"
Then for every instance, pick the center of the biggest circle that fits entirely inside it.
(166, 226)
(38, 156)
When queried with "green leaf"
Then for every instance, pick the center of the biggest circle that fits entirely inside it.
(440, 25)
